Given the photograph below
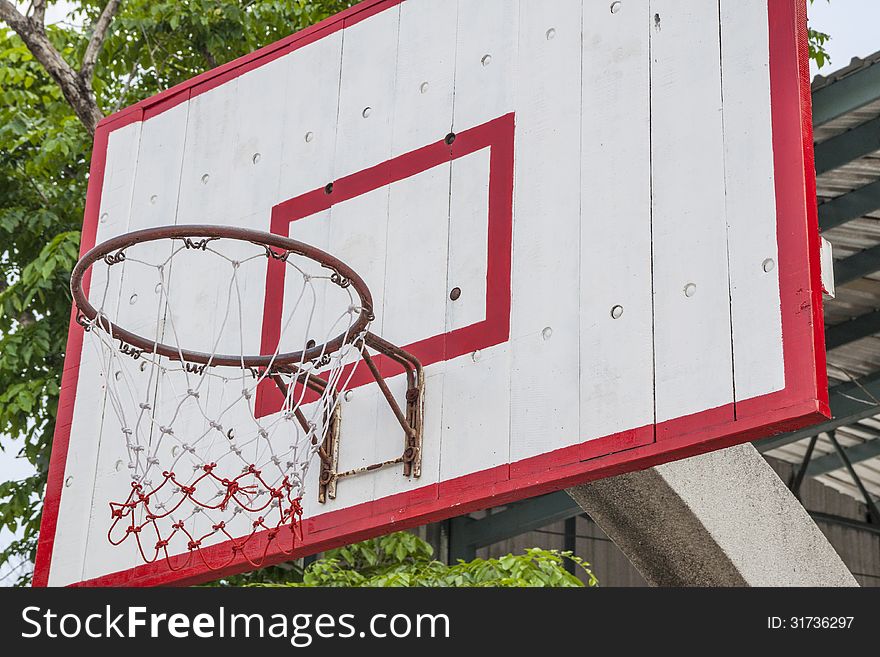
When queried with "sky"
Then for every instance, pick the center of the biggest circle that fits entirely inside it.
(852, 24)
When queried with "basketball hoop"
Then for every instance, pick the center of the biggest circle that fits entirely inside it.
(204, 467)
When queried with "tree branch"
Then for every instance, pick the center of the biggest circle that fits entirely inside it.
(99, 34)
(128, 82)
(39, 13)
(76, 89)
(212, 63)
(33, 183)
(10, 15)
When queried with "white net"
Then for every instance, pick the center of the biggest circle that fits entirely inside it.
(210, 474)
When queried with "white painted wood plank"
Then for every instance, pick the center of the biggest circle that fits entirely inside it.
(414, 303)
(359, 227)
(112, 482)
(616, 355)
(692, 333)
(476, 395)
(412, 250)
(206, 186)
(89, 411)
(308, 156)
(154, 202)
(260, 117)
(358, 231)
(311, 103)
(415, 290)
(230, 177)
(390, 437)
(485, 67)
(468, 236)
(366, 103)
(119, 172)
(206, 177)
(158, 180)
(414, 308)
(247, 120)
(357, 237)
(544, 382)
(424, 90)
(298, 322)
(90, 415)
(751, 199)
(476, 412)
(485, 61)
(200, 308)
(114, 214)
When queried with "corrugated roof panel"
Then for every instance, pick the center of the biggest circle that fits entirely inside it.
(846, 122)
(849, 177)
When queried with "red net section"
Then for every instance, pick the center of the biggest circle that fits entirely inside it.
(281, 511)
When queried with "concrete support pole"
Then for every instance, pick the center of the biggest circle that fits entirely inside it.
(720, 519)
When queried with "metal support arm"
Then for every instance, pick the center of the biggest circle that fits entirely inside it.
(411, 419)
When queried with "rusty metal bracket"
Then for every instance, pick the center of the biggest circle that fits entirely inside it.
(411, 419)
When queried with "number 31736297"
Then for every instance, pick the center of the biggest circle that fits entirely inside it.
(810, 622)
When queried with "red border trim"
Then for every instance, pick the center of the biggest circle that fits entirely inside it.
(803, 402)
(800, 282)
(208, 80)
(497, 136)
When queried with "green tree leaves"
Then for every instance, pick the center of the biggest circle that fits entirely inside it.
(403, 559)
(818, 39)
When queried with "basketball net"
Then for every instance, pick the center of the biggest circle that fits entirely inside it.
(203, 468)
